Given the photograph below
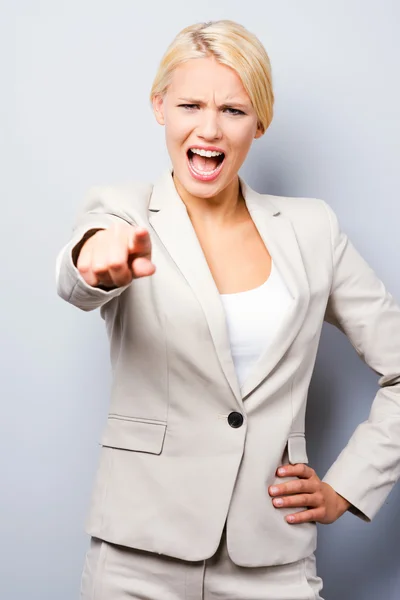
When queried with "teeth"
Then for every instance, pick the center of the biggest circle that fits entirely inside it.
(199, 172)
(207, 153)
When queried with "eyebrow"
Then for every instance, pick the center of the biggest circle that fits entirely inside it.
(230, 104)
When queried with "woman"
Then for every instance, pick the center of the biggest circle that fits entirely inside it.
(214, 298)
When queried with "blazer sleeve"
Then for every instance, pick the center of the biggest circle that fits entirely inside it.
(365, 311)
(102, 208)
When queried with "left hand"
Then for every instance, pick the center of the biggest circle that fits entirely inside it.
(324, 505)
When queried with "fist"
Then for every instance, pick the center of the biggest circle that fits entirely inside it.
(113, 257)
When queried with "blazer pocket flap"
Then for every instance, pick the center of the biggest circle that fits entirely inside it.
(135, 435)
(297, 449)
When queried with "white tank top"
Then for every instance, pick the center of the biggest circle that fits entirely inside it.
(253, 319)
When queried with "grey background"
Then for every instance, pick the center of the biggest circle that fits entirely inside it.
(74, 101)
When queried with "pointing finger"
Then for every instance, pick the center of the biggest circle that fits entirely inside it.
(141, 243)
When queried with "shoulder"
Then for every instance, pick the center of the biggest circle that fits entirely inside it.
(301, 209)
(312, 219)
(135, 193)
(308, 214)
(127, 200)
(315, 230)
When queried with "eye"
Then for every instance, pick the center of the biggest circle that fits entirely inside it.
(188, 106)
(233, 111)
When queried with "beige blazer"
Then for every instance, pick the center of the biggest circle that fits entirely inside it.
(173, 469)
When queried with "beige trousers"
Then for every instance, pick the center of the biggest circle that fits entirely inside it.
(117, 573)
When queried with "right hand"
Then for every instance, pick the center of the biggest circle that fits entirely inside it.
(113, 257)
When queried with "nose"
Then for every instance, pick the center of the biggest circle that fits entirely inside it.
(209, 126)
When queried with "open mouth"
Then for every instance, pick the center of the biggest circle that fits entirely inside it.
(205, 165)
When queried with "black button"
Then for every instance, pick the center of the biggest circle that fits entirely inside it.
(235, 420)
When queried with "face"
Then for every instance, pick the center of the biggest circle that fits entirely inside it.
(210, 124)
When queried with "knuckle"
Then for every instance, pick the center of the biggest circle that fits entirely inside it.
(90, 278)
(295, 500)
(116, 263)
(122, 275)
(126, 279)
(307, 516)
(99, 268)
(298, 518)
(83, 267)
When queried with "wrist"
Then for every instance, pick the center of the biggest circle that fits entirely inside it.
(343, 505)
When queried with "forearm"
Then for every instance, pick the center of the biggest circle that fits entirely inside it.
(369, 466)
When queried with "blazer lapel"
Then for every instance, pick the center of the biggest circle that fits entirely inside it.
(280, 239)
(171, 222)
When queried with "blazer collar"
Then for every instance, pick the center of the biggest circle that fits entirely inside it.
(279, 236)
(171, 222)
(164, 195)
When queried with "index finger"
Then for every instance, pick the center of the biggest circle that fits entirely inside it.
(139, 241)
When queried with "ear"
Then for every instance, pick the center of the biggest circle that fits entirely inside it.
(259, 132)
(158, 109)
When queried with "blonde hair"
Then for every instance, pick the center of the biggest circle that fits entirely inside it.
(232, 45)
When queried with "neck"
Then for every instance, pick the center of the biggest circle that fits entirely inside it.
(222, 208)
